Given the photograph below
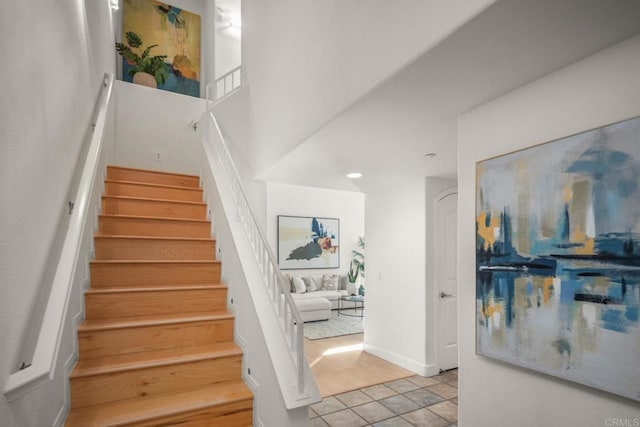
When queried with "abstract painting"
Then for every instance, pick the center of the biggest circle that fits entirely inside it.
(308, 242)
(176, 33)
(558, 258)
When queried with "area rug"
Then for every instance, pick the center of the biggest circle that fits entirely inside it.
(334, 327)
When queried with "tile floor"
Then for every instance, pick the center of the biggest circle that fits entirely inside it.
(411, 401)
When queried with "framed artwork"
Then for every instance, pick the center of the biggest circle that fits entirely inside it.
(308, 242)
(176, 33)
(558, 258)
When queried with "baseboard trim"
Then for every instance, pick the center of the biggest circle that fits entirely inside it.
(66, 405)
(249, 379)
(402, 361)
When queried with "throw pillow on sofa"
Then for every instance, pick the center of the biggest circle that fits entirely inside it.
(310, 284)
(298, 285)
(330, 283)
(317, 280)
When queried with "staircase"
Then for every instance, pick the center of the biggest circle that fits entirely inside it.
(156, 347)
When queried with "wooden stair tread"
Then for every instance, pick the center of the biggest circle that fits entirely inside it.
(152, 171)
(152, 184)
(117, 290)
(152, 218)
(146, 199)
(90, 325)
(153, 238)
(153, 261)
(147, 359)
(158, 407)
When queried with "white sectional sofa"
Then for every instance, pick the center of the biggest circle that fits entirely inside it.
(311, 294)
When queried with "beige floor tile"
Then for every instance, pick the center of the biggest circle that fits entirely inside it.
(317, 422)
(444, 390)
(423, 381)
(353, 398)
(373, 412)
(402, 386)
(447, 410)
(444, 377)
(327, 406)
(379, 391)
(399, 404)
(425, 418)
(345, 418)
(423, 397)
(312, 413)
(394, 422)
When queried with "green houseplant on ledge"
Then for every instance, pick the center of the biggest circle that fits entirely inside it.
(146, 70)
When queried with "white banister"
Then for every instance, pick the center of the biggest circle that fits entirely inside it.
(283, 305)
(49, 338)
(225, 85)
(221, 88)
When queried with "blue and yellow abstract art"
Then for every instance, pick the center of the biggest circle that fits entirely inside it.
(176, 33)
(558, 258)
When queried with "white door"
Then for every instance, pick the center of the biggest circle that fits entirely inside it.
(446, 275)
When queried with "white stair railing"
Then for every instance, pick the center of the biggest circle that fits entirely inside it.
(280, 295)
(220, 89)
(225, 85)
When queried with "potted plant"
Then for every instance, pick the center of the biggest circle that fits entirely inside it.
(354, 269)
(146, 70)
(357, 266)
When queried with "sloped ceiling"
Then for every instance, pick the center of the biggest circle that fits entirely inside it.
(386, 133)
(308, 60)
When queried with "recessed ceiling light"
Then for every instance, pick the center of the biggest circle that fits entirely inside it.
(430, 155)
(354, 175)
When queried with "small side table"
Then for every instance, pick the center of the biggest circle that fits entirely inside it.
(355, 299)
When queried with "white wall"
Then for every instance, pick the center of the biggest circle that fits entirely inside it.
(596, 91)
(151, 121)
(45, 109)
(228, 53)
(209, 44)
(399, 283)
(227, 40)
(348, 207)
(100, 23)
(233, 118)
(395, 222)
(314, 58)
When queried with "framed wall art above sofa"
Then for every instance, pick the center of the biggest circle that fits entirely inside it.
(308, 242)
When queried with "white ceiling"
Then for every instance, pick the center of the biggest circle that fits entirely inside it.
(386, 133)
(306, 61)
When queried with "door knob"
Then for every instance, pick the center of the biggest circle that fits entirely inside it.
(443, 295)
